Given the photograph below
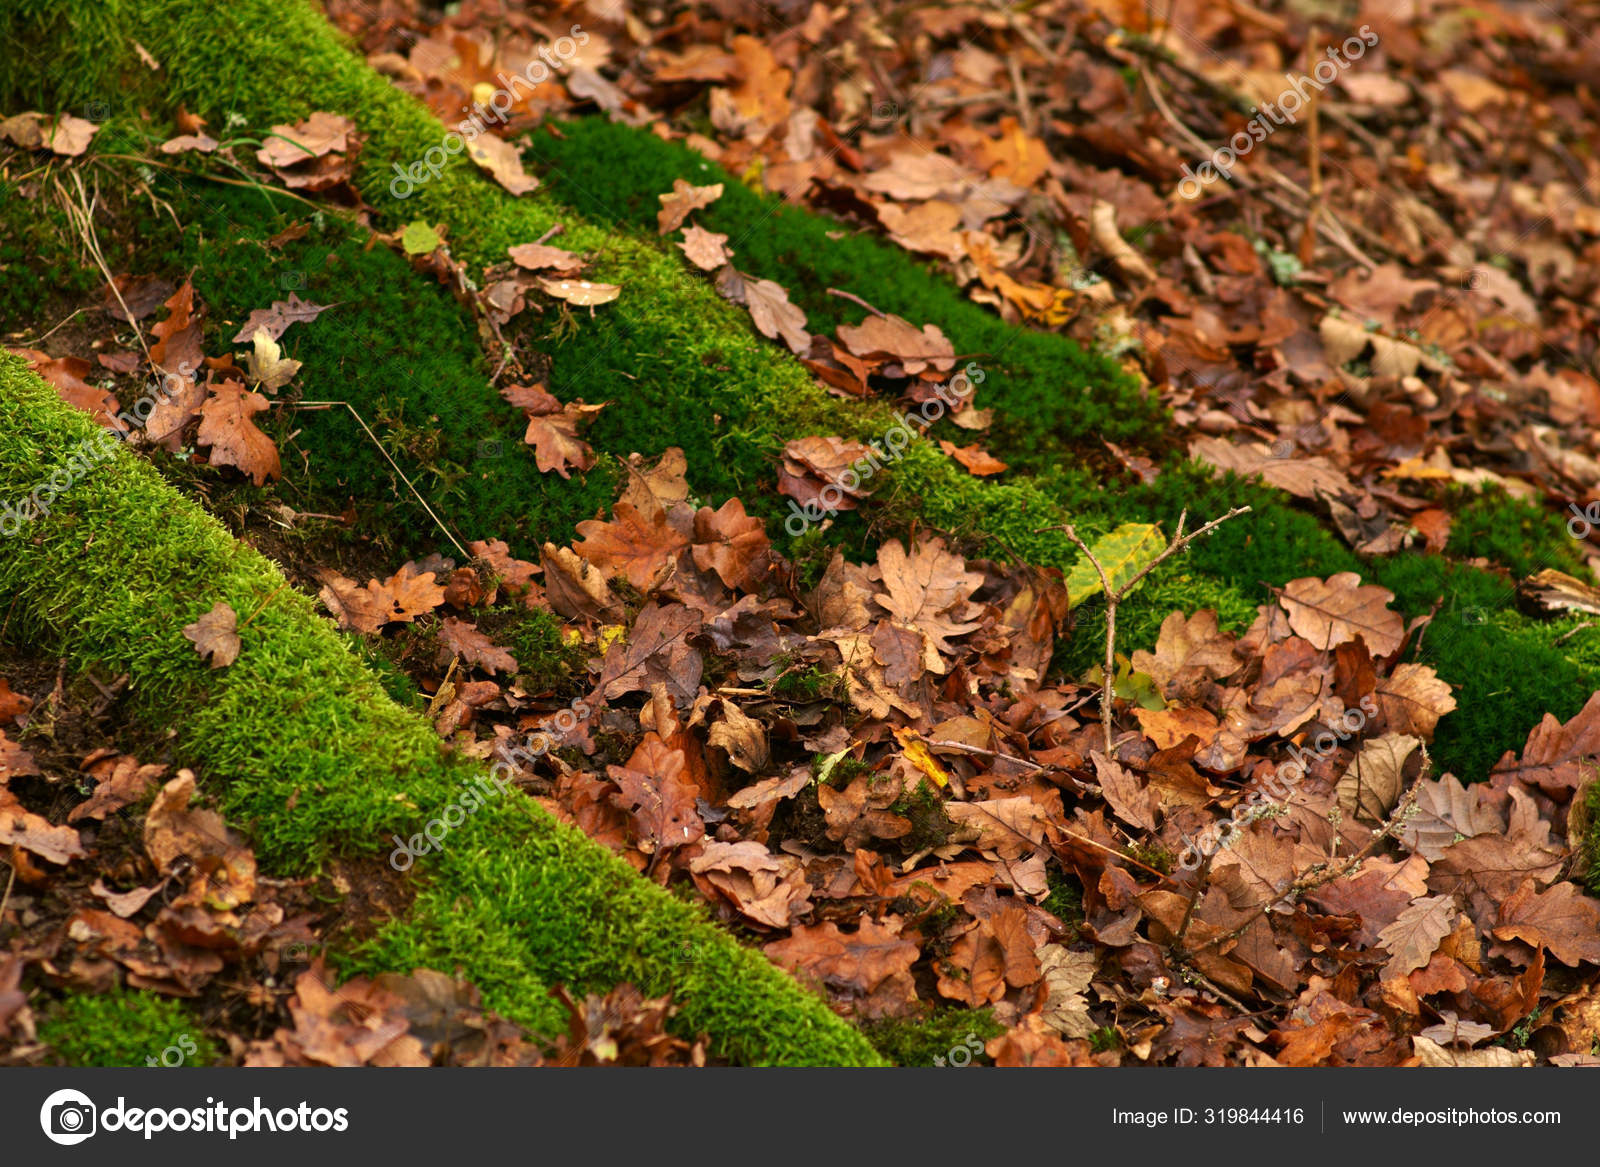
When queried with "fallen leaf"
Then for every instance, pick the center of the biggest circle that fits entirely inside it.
(872, 964)
(215, 635)
(226, 426)
(267, 365)
(581, 292)
(1414, 936)
(681, 201)
(502, 161)
(220, 869)
(1371, 786)
(707, 250)
(639, 548)
(276, 319)
(457, 638)
(1330, 612)
(975, 458)
(770, 309)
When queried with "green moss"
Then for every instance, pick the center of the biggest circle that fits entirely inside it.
(944, 1036)
(1065, 900)
(924, 809)
(301, 746)
(546, 660)
(124, 1028)
(1048, 391)
(1520, 535)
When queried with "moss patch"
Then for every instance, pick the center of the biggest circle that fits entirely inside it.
(125, 1028)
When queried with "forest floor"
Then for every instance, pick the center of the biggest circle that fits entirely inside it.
(861, 467)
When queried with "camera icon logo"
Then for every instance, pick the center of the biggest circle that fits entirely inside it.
(491, 448)
(68, 1117)
(291, 281)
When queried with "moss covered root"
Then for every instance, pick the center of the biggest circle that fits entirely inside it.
(302, 746)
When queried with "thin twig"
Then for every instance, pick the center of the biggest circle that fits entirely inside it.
(1308, 238)
(1322, 873)
(83, 219)
(465, 554)
(1115, 596)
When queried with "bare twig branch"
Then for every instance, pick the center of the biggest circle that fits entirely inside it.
(1115, 596)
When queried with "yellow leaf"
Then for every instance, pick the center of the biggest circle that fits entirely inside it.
(918, 755)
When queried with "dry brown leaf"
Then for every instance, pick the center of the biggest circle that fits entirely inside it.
(502, 161)
(1416, 933)
(684, 198)
(220, 869)
(1371, 786)
(707, 250)
(640, 548)
(977, 461)
(583, 293)
(457, 638)
(872, 964)
(216, 635)
(1331, 612)
(226, 426)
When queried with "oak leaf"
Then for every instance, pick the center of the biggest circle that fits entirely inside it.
(220, 869)
(872, 963)
(1557, 757)
(276, 319)
(707, 250)
(1415, 935)
(226, 426)
(501, 161)
(457, 638)
(770, 310)
(731, 543)
(683, 199)
(1560, 919)
(641, 549)
(658, 796)
(1330, 612)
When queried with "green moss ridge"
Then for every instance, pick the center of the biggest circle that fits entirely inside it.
(303, 748)
(1050, 395)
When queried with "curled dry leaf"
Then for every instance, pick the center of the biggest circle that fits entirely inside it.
(1371, 786)
(770, 310)
(707, 250)
(501, 161)
(583, 293)
(65, 135)
(977, 461)
(216, 635)
(541, 257)
(20, 827)
(681, 200)
(221, 870)
(119, 782)
(292, 145)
